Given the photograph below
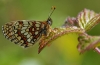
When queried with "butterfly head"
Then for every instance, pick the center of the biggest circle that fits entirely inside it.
(49, 21)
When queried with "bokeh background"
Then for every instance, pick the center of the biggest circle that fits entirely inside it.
(63, 51)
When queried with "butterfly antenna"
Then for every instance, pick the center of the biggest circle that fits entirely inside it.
(52, 10)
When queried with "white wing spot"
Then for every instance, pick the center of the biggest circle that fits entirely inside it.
(38, 22)
(28, 36)
(15, 31)
(25, 33)
(36, 32)
(32, 29)
(24, 27)
(17, 23)
(37, 25)
(30, 23)
(29, 40)
(25, 22)
(19, 38)
(37, 28)
(21, 41)
(16, 35)
(22, 31)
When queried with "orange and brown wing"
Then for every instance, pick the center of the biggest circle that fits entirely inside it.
(23, 32)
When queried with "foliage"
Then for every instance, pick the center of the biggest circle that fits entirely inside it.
(85, 21)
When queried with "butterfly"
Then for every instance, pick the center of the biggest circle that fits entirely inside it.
(27, 32)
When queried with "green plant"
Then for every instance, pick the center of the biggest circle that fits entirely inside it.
(84, 22)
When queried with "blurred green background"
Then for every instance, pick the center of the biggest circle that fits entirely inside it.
(63, 51)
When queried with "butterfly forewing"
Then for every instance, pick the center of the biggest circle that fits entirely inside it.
(23, 32)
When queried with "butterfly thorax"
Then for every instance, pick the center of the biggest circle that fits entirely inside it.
(45, 28)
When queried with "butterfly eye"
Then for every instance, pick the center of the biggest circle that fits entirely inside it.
(49, 21)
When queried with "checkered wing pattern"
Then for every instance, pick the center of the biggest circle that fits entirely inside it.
(25, 33)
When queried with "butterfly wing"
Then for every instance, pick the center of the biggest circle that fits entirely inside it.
(23, 32)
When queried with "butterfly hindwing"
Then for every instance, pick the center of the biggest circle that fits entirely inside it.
(23, 32)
